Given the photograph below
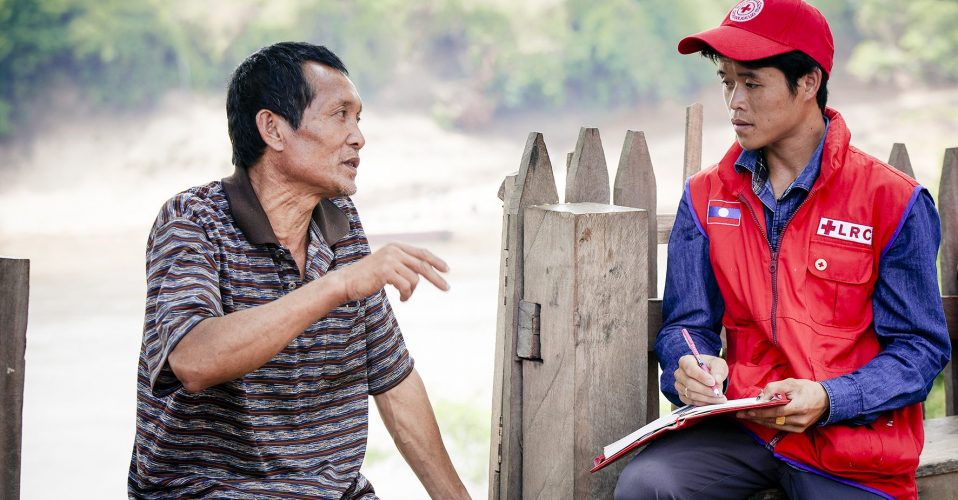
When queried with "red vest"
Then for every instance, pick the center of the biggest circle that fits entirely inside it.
(807, 311)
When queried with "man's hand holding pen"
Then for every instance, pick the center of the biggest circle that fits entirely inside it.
(695, 385)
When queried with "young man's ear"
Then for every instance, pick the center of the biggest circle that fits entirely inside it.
(270, 126)
(809, 84)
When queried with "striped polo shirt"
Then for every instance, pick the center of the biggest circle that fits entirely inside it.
(294, 428)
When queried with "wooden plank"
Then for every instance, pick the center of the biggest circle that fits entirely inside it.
(14, 299)
(534, 184)
(900, 160)
(653, 393)
(655, 321)
(940, 454)
(548, 396)
(693, 140)
(635, 187)
(948, 210)
(950, 303)
(664, 224)
(937, 472)
(939, 487)
(586, 268)
(501, 351)
(588, 179)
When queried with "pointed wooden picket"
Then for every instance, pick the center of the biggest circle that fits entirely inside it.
(533, 184)
(899, 159)
(635, 187)
(948, 209)
(588, 180)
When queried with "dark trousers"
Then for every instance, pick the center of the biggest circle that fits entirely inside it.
(717, 459)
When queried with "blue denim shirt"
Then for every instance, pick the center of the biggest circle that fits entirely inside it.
(908, 316)
(778, 212)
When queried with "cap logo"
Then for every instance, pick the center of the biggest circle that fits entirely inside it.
(746, 10)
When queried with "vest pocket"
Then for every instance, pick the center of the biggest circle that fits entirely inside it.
(847, 450)
(837, 286)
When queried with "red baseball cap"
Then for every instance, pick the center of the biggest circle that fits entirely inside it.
(756, 29)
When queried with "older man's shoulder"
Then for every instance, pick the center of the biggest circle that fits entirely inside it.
(198, 203)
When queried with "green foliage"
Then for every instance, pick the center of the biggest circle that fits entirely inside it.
(547, 54)
(364, 33)
(915, 39)
(30, 42)
(935, 404)
(621, 51)
(465, 430)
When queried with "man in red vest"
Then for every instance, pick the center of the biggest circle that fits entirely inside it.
(818, 260)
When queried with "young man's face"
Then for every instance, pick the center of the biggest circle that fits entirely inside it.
(762, 109)
(322, 155)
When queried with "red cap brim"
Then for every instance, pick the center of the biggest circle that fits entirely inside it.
(734, 43)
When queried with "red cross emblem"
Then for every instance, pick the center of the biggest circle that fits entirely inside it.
(746, 10)
(827, 227)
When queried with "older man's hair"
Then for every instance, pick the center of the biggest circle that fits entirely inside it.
(272, 79)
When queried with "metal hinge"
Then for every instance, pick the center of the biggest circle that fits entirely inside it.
(528, 344)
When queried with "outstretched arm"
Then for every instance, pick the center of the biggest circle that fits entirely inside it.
(222, 348)
(407, 414)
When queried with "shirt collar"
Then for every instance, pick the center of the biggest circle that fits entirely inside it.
(252, 221)
(754, 162)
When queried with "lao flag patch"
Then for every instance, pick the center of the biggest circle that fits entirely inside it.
(727, 213)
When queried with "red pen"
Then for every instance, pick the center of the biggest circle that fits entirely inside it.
(698, 358)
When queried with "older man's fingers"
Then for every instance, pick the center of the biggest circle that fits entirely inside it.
(426, 255)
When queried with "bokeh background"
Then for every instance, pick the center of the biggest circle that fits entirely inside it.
(109, 107)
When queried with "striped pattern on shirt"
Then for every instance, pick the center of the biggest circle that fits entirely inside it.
(297, 426)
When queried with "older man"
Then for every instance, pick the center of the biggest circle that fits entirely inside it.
(266, 325)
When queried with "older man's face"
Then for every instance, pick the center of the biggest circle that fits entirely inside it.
(322, 155)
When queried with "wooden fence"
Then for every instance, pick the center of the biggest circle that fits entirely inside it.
(578, 314)
(14, 294)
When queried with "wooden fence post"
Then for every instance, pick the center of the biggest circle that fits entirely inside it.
(899, 159)
(532, 185)
(635, 187)
(14, 298)
(694, 117)
(586, 273)
(585, 266)
(948, 209)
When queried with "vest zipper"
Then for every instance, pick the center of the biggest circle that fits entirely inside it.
(773, 266)
(770, 445)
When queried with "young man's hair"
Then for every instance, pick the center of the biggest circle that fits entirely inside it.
(794, 65)
(272, 79)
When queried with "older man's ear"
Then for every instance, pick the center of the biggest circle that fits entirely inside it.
(270, 128)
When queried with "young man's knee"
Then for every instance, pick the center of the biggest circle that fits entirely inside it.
(646, 479)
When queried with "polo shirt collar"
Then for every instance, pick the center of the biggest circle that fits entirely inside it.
(252, 221)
